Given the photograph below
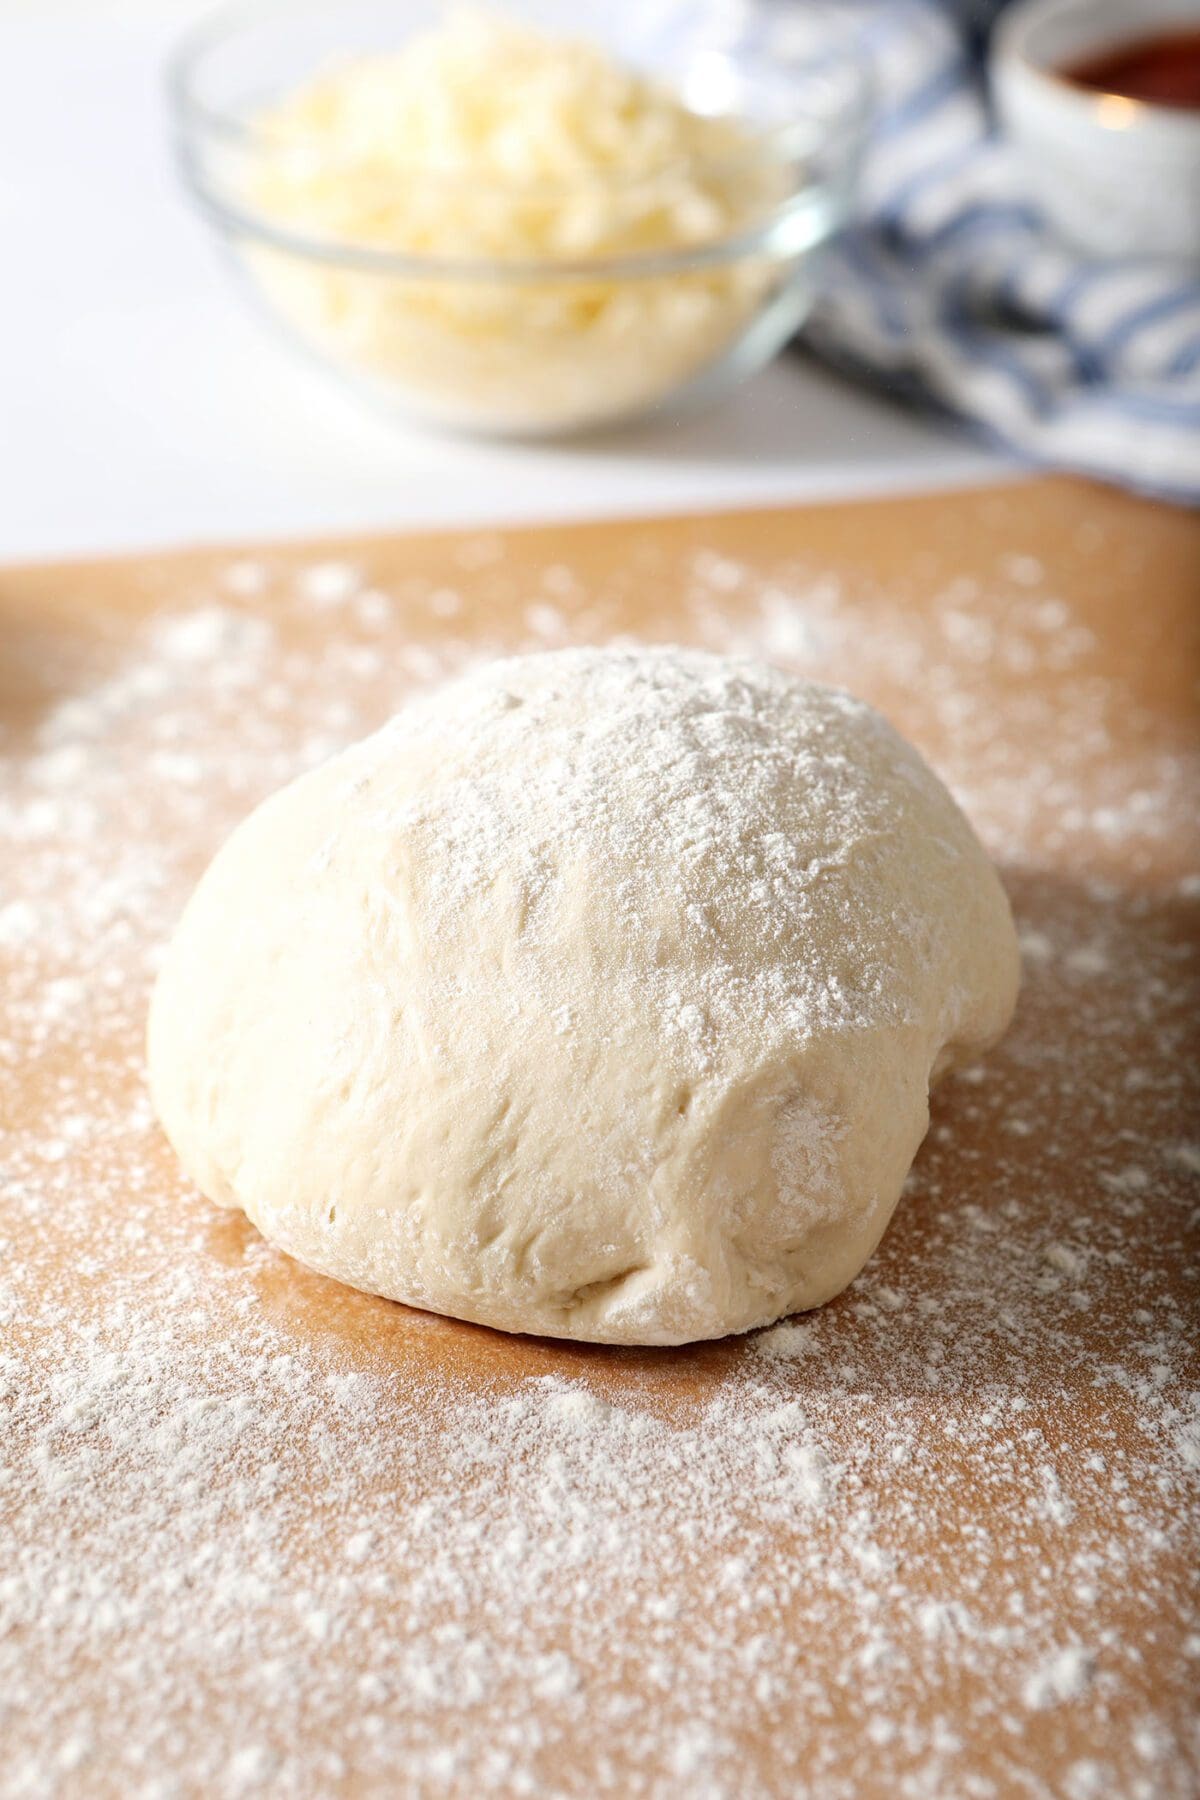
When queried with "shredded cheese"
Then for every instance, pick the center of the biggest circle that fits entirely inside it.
(490, 144)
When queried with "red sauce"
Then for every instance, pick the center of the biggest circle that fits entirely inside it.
(1163, 69)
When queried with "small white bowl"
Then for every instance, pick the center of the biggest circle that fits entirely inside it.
(1118, 177)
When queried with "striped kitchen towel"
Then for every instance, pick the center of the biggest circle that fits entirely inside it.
(950, 287)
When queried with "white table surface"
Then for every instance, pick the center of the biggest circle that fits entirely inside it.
(141, 403)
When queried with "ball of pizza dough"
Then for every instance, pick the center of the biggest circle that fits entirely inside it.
(598, 995)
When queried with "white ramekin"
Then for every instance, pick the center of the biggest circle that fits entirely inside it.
(1118, 177)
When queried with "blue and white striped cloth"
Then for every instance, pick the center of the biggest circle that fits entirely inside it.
(952, 289)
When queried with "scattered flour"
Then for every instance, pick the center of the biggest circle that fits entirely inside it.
(1064, 1676)
(326, 584)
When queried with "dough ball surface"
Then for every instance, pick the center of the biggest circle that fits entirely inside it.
(598, 995)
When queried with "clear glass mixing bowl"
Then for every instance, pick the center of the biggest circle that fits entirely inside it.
(507, 344)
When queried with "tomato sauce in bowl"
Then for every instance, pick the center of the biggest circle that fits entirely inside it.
(1159, 70)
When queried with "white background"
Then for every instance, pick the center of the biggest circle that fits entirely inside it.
(141, 404)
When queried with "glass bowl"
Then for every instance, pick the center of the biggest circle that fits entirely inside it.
(512, 345)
